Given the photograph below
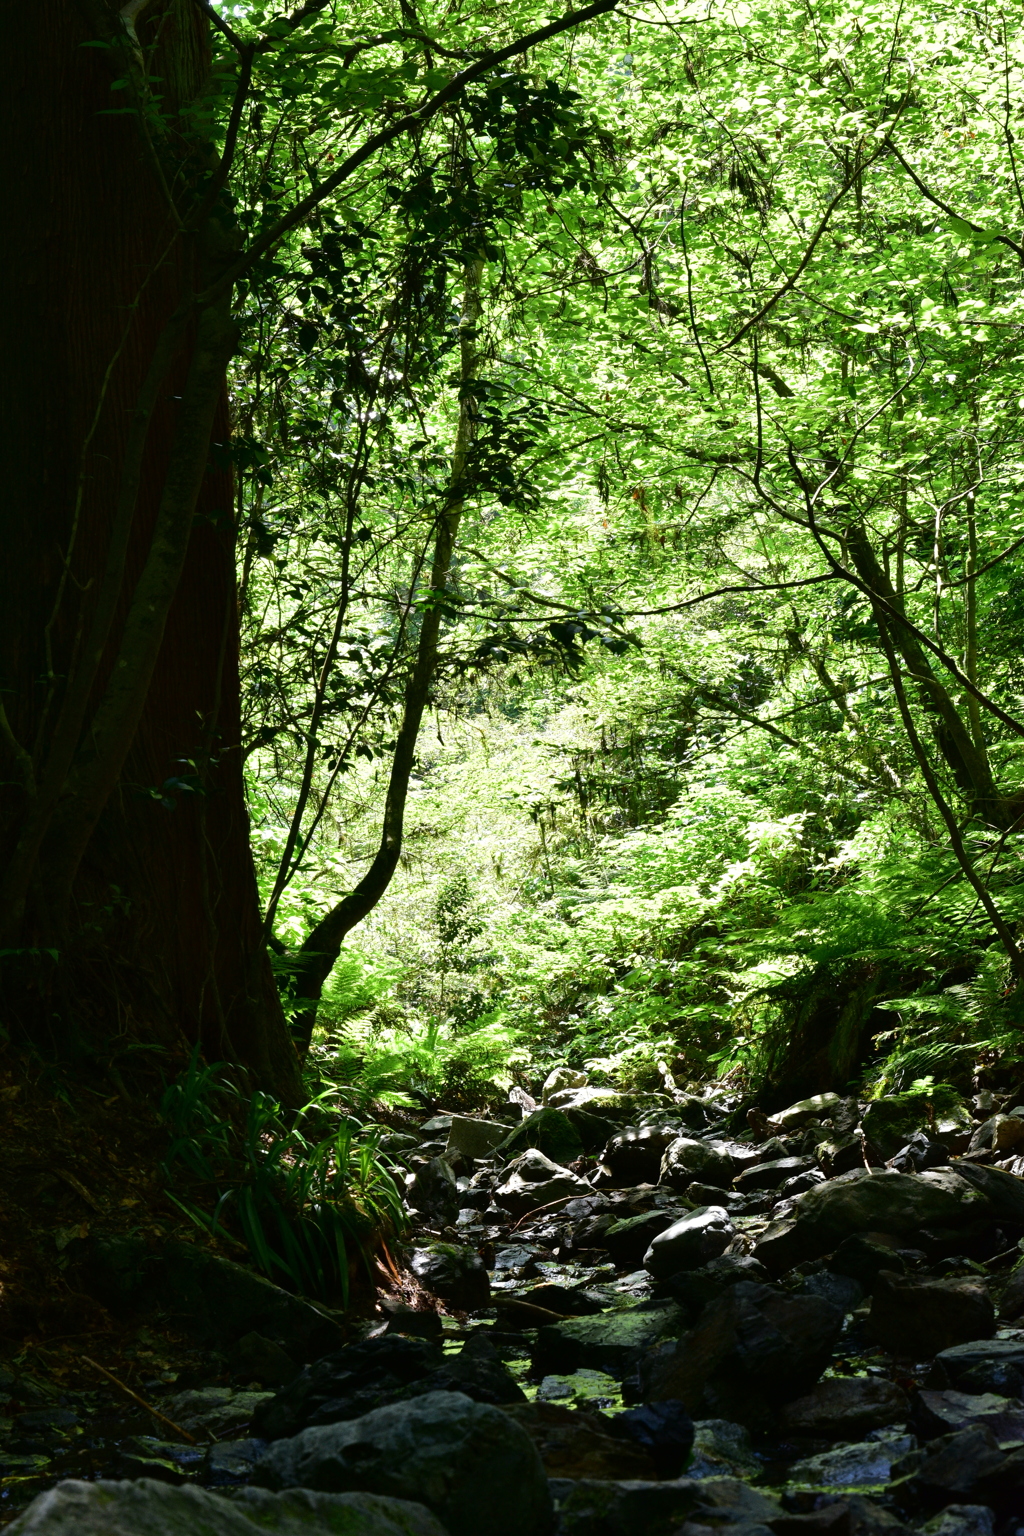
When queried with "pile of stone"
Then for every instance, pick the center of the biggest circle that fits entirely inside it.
(802, 1324)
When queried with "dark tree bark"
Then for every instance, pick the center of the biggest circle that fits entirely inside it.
(144, 887)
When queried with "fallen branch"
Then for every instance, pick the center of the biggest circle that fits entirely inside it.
(142, 1402)
(527, 1308)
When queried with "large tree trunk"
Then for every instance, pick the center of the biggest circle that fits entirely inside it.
(156, 924)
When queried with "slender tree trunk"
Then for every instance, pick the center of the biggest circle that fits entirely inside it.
(313, 963)
(123, 824)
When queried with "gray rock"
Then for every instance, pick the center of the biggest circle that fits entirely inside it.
(457, 1275)
(232, 1461)
(550, 1131)
(721, 1449)
(474, 1468)
(941, 1413)
(634, 1156)
(690, 1242)
(961, 1520)
(612, 1342)
(751, 1349)
(969, 1366)
(845, 1407)
(474, 1138)
(765, 1176)
(147, 1508)
(532, 1180)
(592, 1508)
(853, 1466)
(348, 1384)
(686, 1159)
(821, 1107)
(896, 1203)
(214, 1410)
(841, 1290)
(431, 1190)
(561, 1079)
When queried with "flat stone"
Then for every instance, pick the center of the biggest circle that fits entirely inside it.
(845, 1407)
(475, 1138)
(972, 1359)
(764, 1176)
(961, 1520)
(613, 1342)
(860, 1465)
(147, 1508)
(943, 1412)
(820, 1107)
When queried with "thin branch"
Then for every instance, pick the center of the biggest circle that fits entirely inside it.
(412, 120)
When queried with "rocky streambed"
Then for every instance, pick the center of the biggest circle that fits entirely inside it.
(617, 1318)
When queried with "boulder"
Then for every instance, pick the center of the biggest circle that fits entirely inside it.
(550, 1131)
(210, 1296)
(950, 1469)
(721, 1449)
(916, 1319)
(474, 1138)
(431, 1190)
(841, 1290)
(690, 1242)
(982, 1365)
(1003, 1191)
(694, 1288)
(468, 1462)
(628, 1240)
(457, 1275)
(157, 1509)
(753, 1348)
(634, 1156)
(685, 1159)
(532, 1181)
(576, 1443)
(355, 1380)
(613, 1342)
(896, 1203)
(920, 1153)
(764, 1176)
(664, 1430)
(846, 1408)
(862, 1256)
(889, 1123)
(560, 1079)
(820, 1107)
(854, 1466)
(941, 1413)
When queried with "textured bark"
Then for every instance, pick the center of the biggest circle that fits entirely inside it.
(154, 910)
